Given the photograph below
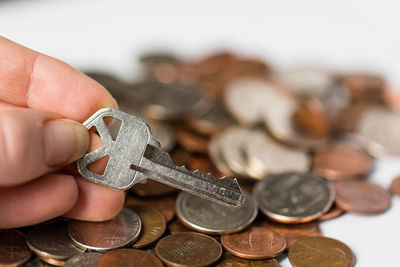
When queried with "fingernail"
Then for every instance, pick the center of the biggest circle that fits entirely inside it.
(65, 141)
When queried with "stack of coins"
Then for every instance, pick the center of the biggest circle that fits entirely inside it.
(301, 141)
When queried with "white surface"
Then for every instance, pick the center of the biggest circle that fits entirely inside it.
(342, 35)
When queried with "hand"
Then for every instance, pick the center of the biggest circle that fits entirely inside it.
(42, 104)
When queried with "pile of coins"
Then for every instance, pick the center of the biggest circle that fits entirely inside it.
(301, 141)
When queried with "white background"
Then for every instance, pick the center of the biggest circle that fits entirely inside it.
(340, 35)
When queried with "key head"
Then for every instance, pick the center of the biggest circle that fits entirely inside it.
(128, 148)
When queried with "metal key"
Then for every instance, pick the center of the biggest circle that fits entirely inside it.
(135, 155)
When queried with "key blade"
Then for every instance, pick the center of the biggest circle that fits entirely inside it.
(158, 166)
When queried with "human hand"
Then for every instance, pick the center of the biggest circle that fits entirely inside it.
(42, 104)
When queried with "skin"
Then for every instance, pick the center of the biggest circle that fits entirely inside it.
(43, 102)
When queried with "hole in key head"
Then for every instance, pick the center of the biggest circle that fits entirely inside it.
(99, 166)
(114, 128)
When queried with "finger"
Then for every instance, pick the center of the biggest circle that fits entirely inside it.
(33, 143)
(37, 201)
(96, 202)
(31, 79)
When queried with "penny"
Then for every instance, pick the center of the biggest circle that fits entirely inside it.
(334, 212)
(191, 141)
(320, 251)
(188, 249)
(51, 241)
(364, 87)
(395, 186)
(379, 128)
(294, 232)
(294, 197)
(87, 259)
(256, 242)
(128, 258)
(165, 205)
(153, 225)
(52, 262)
(204, 165)
(152, 188)
(13, 249)
(230, 260)
(177, 227)
(347, 118)
(341, 162)
(209, 217)
(361, 197)
(102, 236)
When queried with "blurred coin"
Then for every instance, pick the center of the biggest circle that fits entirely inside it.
(164, 134)
(102, 236)
(333, 212)
(188, 249)
(380, 129)
(341, 162)
(294, 197)
(256, 242)
(126, 257)
(50, 261)
(214, 150)
(364, 87)
(204, 165)
(347, 119)
(229, 260)
(267, 156)
(320, 252)
(395, 186)
(153, 225)
(13, 249)
(192, 142)
(166, 205)
(177, 227)
(50, 241)
(87, 259)
(209, 217)
(294, 232)
(152, 188)
(35, 262)
(163, 67)
(361, 197)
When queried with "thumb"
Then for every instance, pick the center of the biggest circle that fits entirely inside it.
(33, 143)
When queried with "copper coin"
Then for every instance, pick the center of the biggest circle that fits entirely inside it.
(188, 249)
(153, 225)
(361, 197)
(152, 188)
(364, 87)
(13, 249)
(87, 259)
(320, 252)
(204, 165)
(395, 186)
(294, 232)
(50, 241)
(52, 262)
(128, 258)
(166, 205)
(191, 141)
(229, 260)
(102, 236)
(341, 162)
(334, 212)
(257, 242)
(177, 227)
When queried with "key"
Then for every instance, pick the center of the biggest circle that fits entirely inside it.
(135, 156)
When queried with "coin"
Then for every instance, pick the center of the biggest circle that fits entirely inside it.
(341, 162)
(50, 241)
(229, 260)
(177, 227)
(320, 251)
(204, 165)
(51, 261)
(361, 197)
(294, 197)
(166, 205)
(293, 232)
(128, 258)
(163, 133)
(192, 142)
(214, 151)
(379, 128)
(87, 259)
(152, 188)
(256, 242)
(333, 212)
(364, 87)
(153, 225)
(188, 249)
(13, 249)
(395, 186)
(102, 236)
(209, 217)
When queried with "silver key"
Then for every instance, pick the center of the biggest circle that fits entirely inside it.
(135, 155)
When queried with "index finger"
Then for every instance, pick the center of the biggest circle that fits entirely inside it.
(30, 79)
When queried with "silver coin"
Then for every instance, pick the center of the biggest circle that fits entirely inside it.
(266, 156)
(119, 232)
(88, 259)
(214, 151)
(380, 129)
(51, 241)
(294, 197)
(164, 134)
(209, 217)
